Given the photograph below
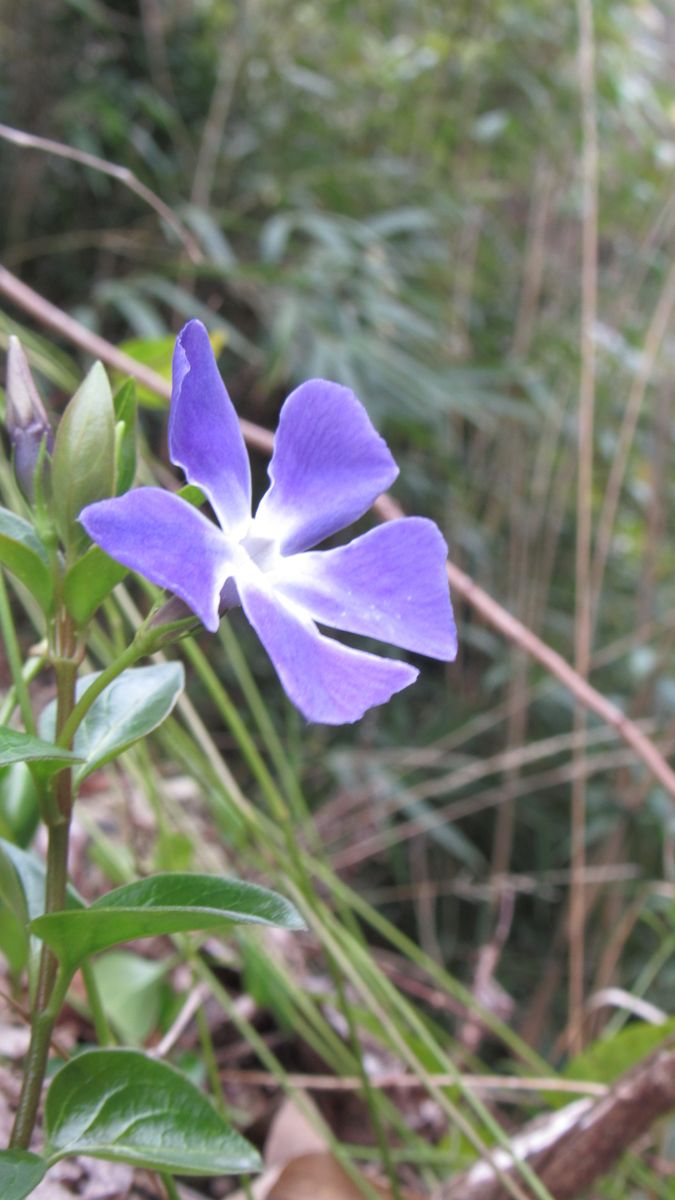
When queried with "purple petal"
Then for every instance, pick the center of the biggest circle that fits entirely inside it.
(328, 682)
(204, 434)
(390, 584)
(328, 466)
(167, 540)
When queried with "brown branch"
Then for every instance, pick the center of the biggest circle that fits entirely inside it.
(387, 509)
(31, 141)
(571, 1148)
(54, 318)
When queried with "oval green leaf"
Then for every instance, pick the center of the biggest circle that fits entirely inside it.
(124, 1106)
(16, 746)
(89, 581)
(162, 904)
(22, 552)
(20, 1173)
(130, 707)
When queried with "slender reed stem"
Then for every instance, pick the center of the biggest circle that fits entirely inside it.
(14, 658)
(28, 673)
(104, 1035)
(583, 626)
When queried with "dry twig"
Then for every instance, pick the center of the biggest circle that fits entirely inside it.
(571, 1148)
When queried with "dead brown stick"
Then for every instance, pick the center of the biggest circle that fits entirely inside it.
(571, 1148)
(387, 509)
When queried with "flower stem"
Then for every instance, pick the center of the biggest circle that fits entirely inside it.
(141, 645)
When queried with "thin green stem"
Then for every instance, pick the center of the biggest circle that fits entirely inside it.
(229, 712)
(264, 722)
(100, 1021)
(210, 1061)
(30, 669)
(170, 1188)
(141, 645)
(371, 1095)
(272, 1064)
(13, 651)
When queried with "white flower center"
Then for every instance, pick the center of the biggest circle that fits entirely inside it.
(263, 551)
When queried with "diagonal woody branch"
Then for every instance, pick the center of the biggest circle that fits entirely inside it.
(571, 1148)
(387, 509)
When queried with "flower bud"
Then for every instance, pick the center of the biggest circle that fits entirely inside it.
(172, 621)
(25, 418)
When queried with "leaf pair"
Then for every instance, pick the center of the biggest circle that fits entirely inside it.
(121, 1104)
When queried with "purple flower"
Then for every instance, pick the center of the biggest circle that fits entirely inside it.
(328, 467)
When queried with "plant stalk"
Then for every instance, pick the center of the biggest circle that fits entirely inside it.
(49, 997)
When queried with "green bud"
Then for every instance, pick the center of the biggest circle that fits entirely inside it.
(83, 465)
(26, 420)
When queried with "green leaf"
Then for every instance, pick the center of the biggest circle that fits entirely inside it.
(130, 707)
(89, 581)
(156, 353)
(192, 494)
(19, 803)
(132, 991)
(22, 552)
(13, 941)
(121, 1105)
(83, 463)
(16, 746)
(609, 1057)
(22, 883)
(20, 1173)
(125, 407)
(22, 890)
(162, 904)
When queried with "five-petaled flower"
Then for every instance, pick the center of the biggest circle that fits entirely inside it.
(328, 467)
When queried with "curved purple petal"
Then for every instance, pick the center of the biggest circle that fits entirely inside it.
(204, 434)
(328, 466)
(390, 584)
(328, 682)
(167, 540)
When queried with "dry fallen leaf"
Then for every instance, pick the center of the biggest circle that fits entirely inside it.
(299, 1165)
(292, 1133)
(319, 1176)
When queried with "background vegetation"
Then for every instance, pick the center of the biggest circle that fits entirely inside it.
(400, 196)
